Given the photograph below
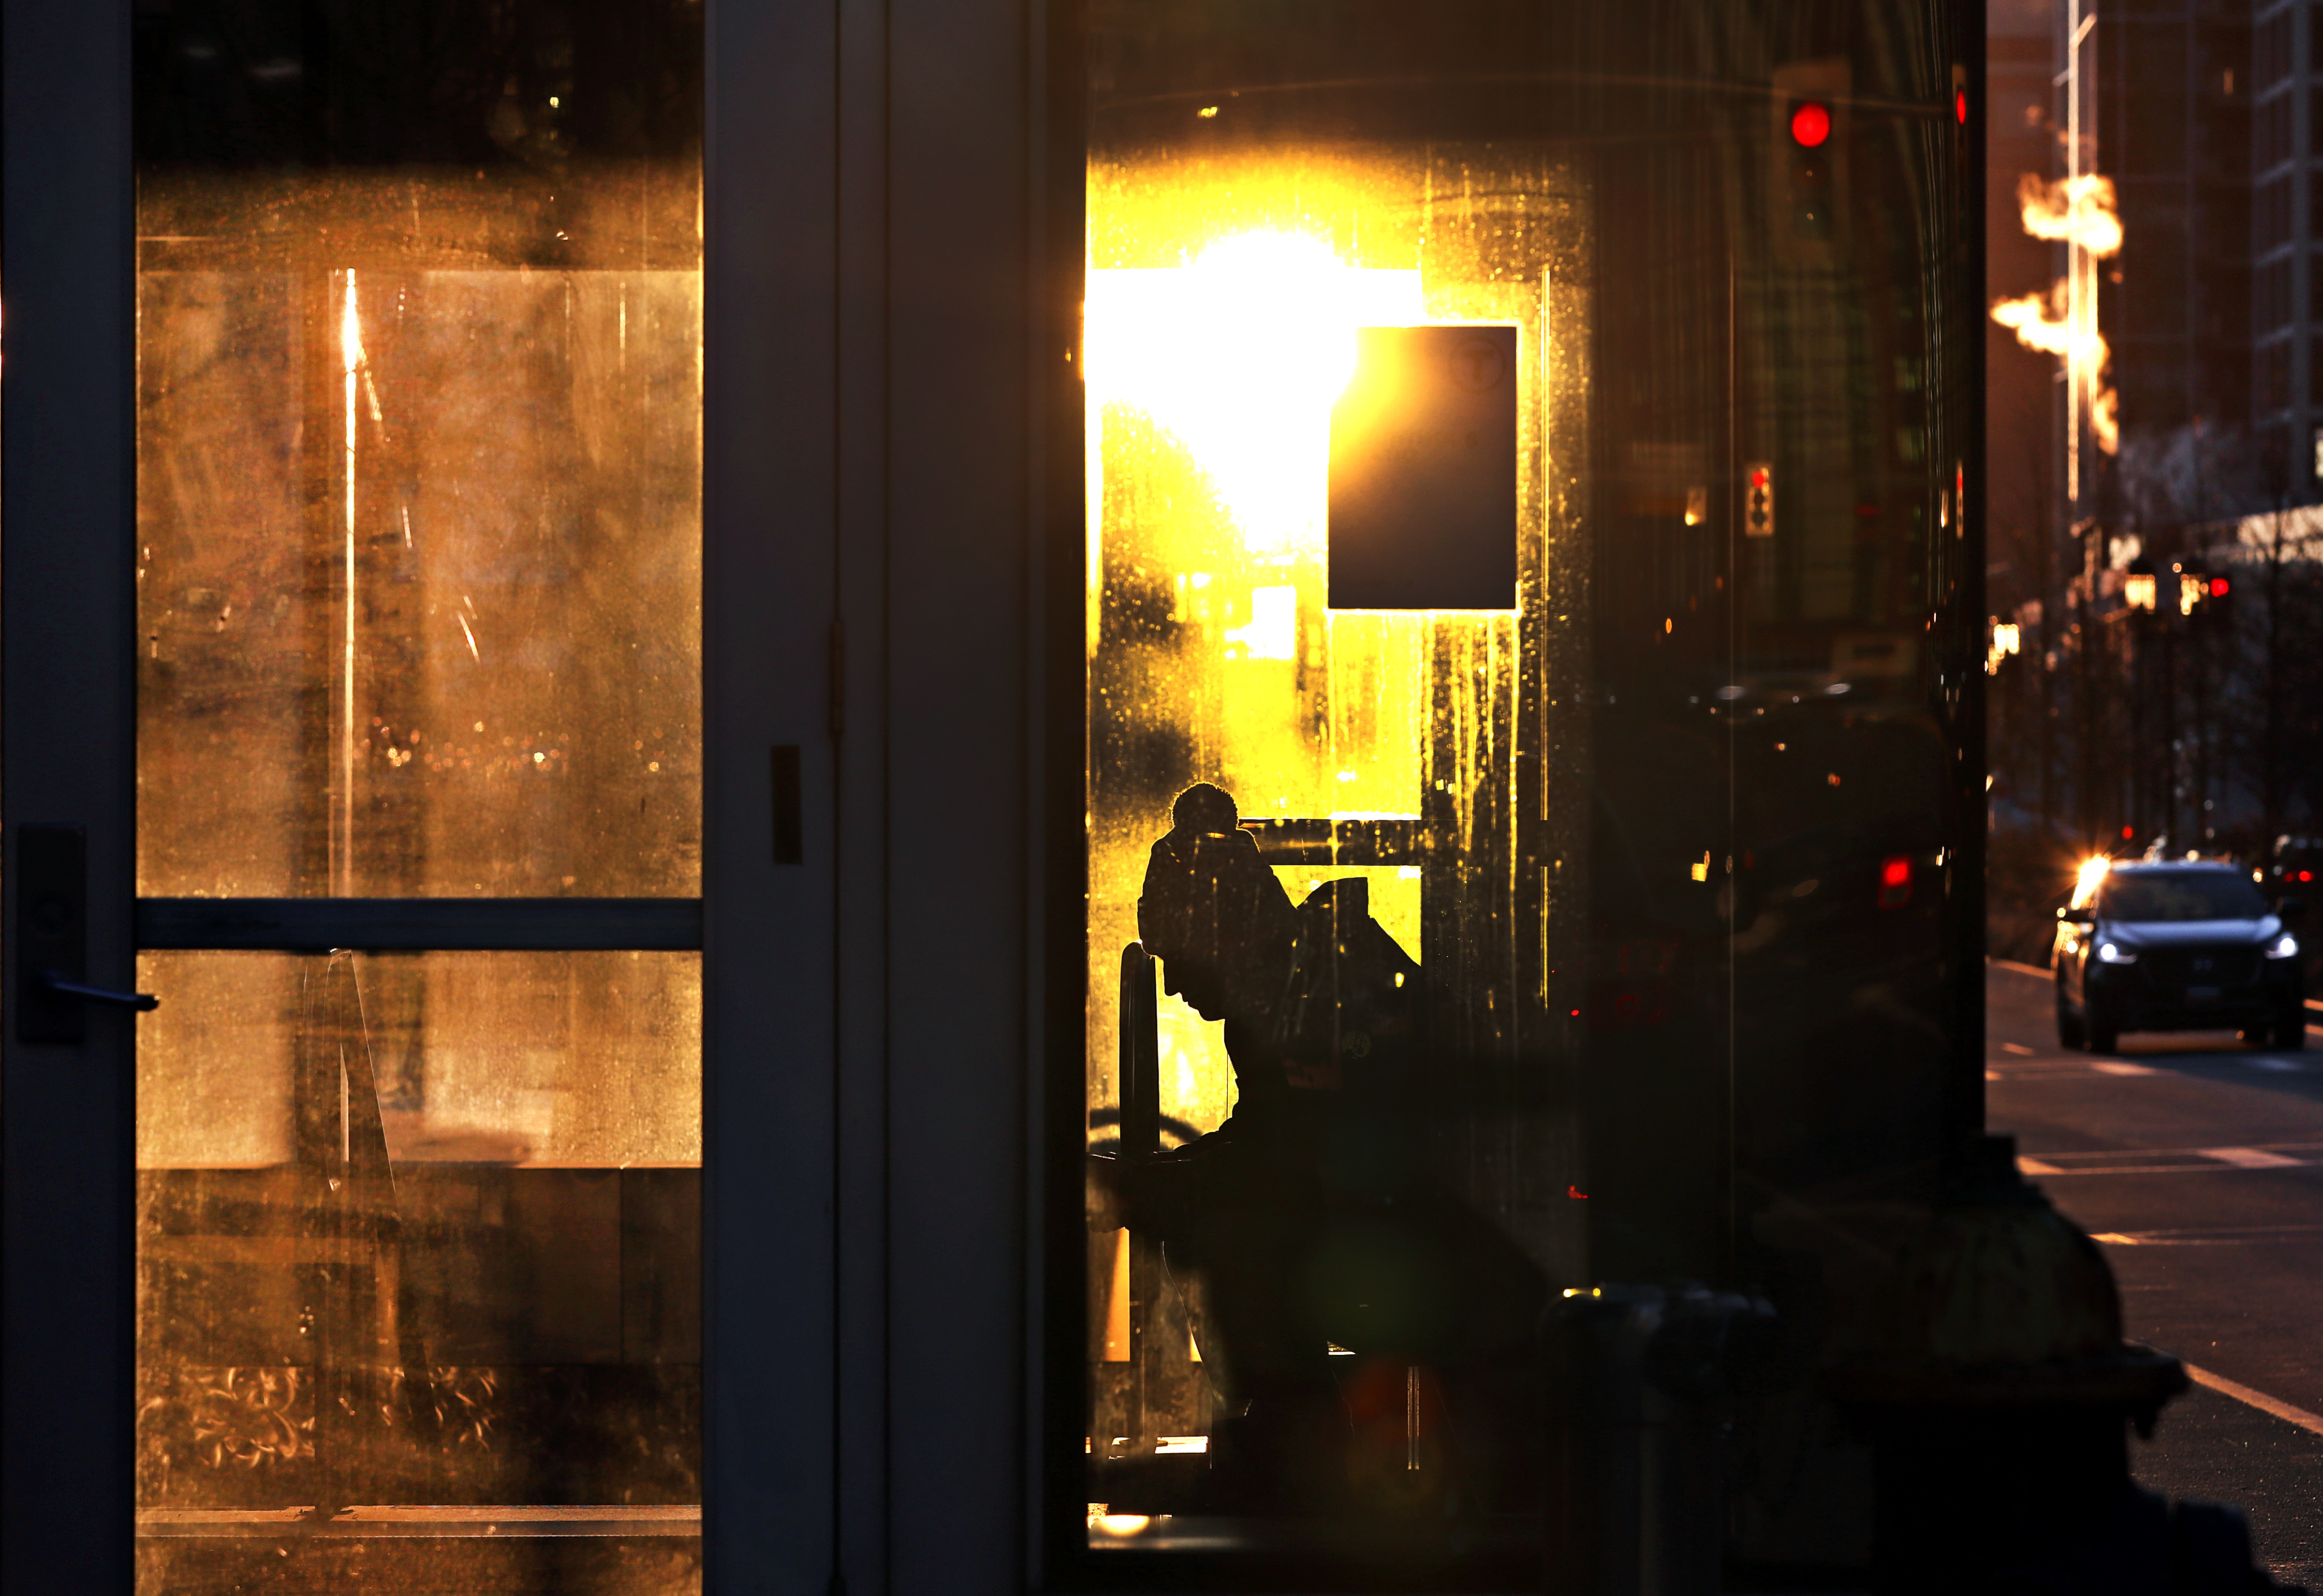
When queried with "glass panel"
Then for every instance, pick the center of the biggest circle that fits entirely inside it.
(1525, 624)
(419, 486)
(419, 1265)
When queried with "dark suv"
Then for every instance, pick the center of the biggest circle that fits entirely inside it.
(2185, 946)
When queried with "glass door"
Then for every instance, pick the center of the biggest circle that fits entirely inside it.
(419, 793)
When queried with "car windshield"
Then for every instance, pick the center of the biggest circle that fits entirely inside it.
(2180, 894)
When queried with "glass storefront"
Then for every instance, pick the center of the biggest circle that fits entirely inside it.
(1532, 638)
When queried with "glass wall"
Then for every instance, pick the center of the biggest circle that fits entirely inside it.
(419, 529)
(1530, 623)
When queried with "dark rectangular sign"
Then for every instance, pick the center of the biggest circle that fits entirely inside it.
(1423, 505)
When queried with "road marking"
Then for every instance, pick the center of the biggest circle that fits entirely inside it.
(2027, 969)
(2061, 1155)
(2019, 1049)
(2259, 1400)
(2222, 1236)
(2249, 1158)
(2108, 1067)
(2280, 1066)
(2217, 1161)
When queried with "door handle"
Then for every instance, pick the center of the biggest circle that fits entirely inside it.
(142, 1002)
(50, 938)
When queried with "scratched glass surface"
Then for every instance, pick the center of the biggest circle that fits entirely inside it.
(420, 541)
(419, 1271)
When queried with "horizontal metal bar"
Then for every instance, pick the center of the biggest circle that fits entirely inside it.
(498, 1523)
(1376, 839)
(307, 925)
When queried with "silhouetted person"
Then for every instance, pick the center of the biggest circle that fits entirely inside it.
(1309, 1212)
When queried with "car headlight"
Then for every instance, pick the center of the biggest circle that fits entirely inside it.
(2115, 953)
(2285, 946)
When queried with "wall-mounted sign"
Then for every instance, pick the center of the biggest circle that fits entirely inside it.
(1423, 506)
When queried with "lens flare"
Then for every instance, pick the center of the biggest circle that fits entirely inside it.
(2085, 885)
(1240, 354)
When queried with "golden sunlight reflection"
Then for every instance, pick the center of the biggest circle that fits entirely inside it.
(351, 363)
(2085, 886)
(1239, 355)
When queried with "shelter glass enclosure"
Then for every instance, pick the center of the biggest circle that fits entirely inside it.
(1671, 311)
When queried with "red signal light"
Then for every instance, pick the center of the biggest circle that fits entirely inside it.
(1811, 122)
(1959, 105)
(2217, 587)
(1759, 477)
(1895, 881)
(2306, 875)
(2125, 833)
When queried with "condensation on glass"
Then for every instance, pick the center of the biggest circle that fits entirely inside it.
(1667, 831)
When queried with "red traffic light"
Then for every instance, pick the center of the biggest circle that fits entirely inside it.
(1759, 477)
(1811, 122)
(1959, 105)
(2217, 587)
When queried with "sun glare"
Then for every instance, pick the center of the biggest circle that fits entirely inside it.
(2092, 872)
(1240, 354)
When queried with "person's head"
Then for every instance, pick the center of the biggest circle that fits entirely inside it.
(1212, 911)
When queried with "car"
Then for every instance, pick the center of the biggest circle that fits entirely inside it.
(2178, 945)
(2294, 873)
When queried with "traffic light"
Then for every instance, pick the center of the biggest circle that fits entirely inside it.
(2193, 588)
(1808, 176)
(1758, 499)
(2206, 598)
(1813, 199)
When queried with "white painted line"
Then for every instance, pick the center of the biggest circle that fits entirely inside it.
(2280, 1066)
(2028, 969)
(2034, 1166)
(2249, 1158)
(2157, 1168)
(2108, 1067)
(2259, 1400)
(2216, 1236)
(2019, 1049)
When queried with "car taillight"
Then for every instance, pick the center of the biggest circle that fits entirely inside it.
(1895, 881)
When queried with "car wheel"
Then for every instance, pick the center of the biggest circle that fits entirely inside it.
(2290, 1036)
(2104, 1032)
(2069, 1028)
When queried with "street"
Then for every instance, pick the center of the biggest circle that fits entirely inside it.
(2197, 1164)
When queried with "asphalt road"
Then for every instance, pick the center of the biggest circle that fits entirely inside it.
(2198, 1163)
